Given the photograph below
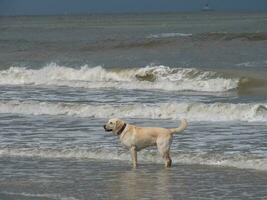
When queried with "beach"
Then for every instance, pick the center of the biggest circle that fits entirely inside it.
(63, 77)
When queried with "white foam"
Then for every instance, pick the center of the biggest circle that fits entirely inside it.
(259, 63)
(168, 35)
(44, 195)
(148, 78)
(65, 153)
(192, 111)
(237, 161)
(145, 156)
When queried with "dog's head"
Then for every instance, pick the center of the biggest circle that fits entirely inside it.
(114, 125)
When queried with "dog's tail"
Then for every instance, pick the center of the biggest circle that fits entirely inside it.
(183, 126)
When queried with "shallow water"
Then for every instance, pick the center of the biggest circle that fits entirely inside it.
(91, 179)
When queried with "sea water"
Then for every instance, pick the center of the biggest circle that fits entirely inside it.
(63, 77)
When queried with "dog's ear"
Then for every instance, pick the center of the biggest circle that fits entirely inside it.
(119, 124)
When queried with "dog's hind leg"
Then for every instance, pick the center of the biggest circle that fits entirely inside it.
(134, 156)
(163, 145)
(167, 159)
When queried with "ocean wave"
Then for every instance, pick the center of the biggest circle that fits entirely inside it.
(227, 36)
(260, 63)
(37, 196)
(192, 111)
(147, 78)
(236, 160)
(171, 39)
(223, 36)
(168, 35)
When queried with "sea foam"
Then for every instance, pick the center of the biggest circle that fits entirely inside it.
(146, 78)
(193, 111)
(146, 156)
(168, 35)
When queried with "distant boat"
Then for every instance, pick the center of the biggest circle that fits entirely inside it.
(207, 7)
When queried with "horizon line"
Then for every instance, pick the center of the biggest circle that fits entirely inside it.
(133, 12)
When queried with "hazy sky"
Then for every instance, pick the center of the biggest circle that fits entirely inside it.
(40, 7)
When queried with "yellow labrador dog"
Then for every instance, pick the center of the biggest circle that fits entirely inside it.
(137, 138)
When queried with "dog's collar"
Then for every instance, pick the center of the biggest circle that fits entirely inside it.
(122, 129)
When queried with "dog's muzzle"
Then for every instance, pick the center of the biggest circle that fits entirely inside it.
(107, 130)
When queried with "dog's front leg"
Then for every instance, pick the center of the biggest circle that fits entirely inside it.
(134, 156)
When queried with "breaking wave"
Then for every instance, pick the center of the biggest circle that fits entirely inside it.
(227, 36)
(260, 63)
(147, 78)
(237, 160)
(25, 195)
(192, 111)
(168, 35)
(224, 36)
